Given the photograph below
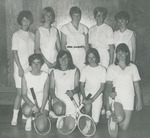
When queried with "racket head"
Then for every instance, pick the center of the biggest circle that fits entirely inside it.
(112, 126)
(86, 125)
(66, 124)
(42, 124)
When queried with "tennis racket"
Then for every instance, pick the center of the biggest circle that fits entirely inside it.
(112, 121)
(39, 117)
(85, 123)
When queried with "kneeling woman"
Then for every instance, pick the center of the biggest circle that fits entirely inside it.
(64, 82)
(93, 78)
(124, 76)
(39, 81)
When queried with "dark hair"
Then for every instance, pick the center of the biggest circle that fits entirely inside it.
(27, 14)
(35, 56)
(45, 11)
(61, 54)
(124, 48)
(122, 15)
(95, 53)
(75, 9)
(100, 9)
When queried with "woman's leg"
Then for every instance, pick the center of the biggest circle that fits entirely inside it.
(125, 124)
(16, 107)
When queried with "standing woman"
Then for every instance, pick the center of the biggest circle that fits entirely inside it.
(47, 40)
(124, 76)
(124, 35)
(39, 81)
(22, 47)
(64, 80)
(93, 78)
(101, 37)
(74, 37)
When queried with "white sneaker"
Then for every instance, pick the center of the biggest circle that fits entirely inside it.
(23, 117)
(112, 125)
(28, 126)
(52, 114)
(14, 122)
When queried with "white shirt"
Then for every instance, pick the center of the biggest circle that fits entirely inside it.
(23, 42)
(124, 37)
(75, 37)
(93, 77)
(101, 36)
(123, 79)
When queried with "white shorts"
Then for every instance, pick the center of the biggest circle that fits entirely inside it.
(96, 108)
(17, 77)
(127, 103)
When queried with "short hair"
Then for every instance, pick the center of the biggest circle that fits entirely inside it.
(45, 11)
(100, 9)
(122, 15)
(61, 54)
(124, 48)
(95, 53)
(35, 56)
(27, 14)
(74, 10)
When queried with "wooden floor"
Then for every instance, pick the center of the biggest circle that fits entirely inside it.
(139, 127)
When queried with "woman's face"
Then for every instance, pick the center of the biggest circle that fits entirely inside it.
(25, 23)
(91, 59)
(121, 56)
(64, 60)
(76, 17)
(48, 17)
(122, 23)
(36, 65)
(99, 18)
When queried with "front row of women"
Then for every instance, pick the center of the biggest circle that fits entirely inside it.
(65, 77)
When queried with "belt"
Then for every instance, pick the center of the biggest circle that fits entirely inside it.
(75, 46)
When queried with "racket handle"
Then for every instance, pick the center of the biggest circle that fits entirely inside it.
(113, 91)
(34, 97)
(88, 97)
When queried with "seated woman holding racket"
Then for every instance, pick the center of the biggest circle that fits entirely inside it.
(39, 81)
(124, 76)
(93, 78)
(64, 81)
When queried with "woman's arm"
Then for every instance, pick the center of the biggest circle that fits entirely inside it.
(139, 103)
(101, 89)
(63, 40)
(86, 41)
(76, 84)
(24, 93)
(37, 42)
(111, 53)
(58, 46)
(133, 44)
(16, 58)
(45, 94)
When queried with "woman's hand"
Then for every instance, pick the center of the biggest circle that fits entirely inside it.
(86, 102)
(34, 109)
(21, 72)
(70, 93)
(113, 95)
(139, 106)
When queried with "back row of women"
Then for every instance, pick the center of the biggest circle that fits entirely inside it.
(81, 55)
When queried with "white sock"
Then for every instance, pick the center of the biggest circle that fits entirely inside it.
(28, 126)
(15, 117)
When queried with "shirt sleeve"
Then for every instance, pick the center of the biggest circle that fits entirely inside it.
(110, 36)
(82, 78)
(15, 42)
(136, 76)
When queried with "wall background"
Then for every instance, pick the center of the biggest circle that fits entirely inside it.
(140, 23)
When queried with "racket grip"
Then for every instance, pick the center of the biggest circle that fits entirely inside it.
(88, 97)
